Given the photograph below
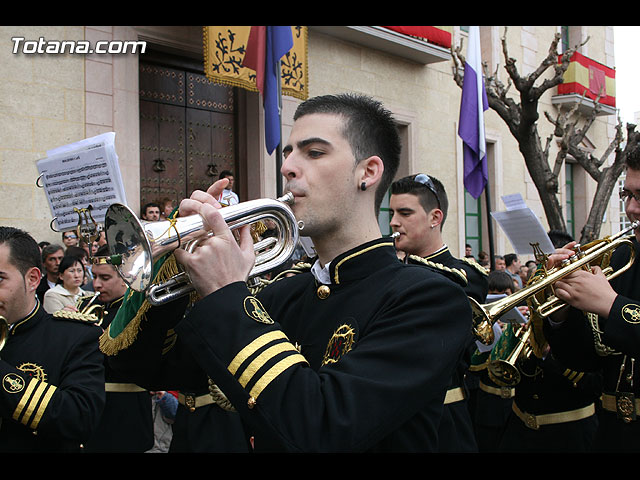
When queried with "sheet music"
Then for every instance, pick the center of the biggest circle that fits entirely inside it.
(514, 201)
(81, 174)
(523, 228)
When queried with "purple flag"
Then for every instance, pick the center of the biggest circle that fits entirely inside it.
(471, 127)
(265, 48)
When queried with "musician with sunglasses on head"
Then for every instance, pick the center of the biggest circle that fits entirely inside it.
(354, 355)
(602, 329)
(419, 206)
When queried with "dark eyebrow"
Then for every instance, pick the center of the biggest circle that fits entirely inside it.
(303, 143)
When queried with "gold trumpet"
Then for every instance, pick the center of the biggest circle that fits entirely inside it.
(90, 312)
(4, 331)
(136, 244)
(597, 253)
(505, 372)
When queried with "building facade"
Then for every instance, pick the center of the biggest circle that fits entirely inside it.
(176, 132)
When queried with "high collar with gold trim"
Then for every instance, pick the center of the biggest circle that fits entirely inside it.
(28, 321)
(442, 252)
(362, 261)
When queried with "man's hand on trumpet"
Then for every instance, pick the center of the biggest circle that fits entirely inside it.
(589, 291)
(219, 259)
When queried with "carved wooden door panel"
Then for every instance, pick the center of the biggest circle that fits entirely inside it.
(210, 131)
(186, 132)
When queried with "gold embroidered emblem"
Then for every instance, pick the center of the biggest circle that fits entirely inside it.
(13, 383)
(631, 313)
(33, 370)
(255, 310)
(341, 342)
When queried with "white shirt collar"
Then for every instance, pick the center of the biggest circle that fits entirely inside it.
(321, 274)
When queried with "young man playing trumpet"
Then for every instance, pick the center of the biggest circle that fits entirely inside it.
(607, 337)
(354, 355)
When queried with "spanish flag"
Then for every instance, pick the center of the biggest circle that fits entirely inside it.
(590, 78)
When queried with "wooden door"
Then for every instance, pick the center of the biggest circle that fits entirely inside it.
(187, 132)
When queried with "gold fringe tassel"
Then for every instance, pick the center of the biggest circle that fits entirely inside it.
(112, 345)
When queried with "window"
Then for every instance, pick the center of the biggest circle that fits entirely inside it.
(384, 217)
(624, 220)
(473, 222)
(569, 200)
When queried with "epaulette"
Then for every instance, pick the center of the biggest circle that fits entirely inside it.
(78, 316)
(475, 265)
(259, 284)
(455, 274)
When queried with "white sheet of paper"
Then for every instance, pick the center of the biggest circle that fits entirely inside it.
(514, 201)
(523, 228)
(81, 174)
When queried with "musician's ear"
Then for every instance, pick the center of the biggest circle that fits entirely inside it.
(32, 279)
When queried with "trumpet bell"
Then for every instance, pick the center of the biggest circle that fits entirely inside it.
(4, 331)
(137, 244)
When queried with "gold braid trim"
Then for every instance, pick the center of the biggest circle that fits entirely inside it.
(219, 397)
(475, 265)
(112, 345)
(456, 272)
(260, 283)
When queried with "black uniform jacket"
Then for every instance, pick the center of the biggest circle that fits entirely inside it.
(126, 424)
(52, 384)
(582, 347)
(456, 429)
(477, 286)
(360, 364)
(574, 339)
(158, 360)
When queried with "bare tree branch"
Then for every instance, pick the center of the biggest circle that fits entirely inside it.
(570, 129)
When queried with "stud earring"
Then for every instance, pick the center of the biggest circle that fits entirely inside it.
(363, 186)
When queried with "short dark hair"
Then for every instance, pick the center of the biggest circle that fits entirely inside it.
(50, 249)
(103, 251)
(225, 174)
(69, 261)
(559, 238)
(632, 160)
(24, 252)
(77, 252)
(369, 128)
(509, 258)
(499, 281)
(150, 204)
(427, 198)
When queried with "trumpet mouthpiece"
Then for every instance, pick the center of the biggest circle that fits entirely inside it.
(287, 198)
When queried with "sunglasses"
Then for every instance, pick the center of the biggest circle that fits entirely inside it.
(71, 236)
(426, 181)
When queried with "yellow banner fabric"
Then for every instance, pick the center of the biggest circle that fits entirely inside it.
(224, 49)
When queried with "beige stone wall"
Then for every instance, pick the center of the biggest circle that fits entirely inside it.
(428, 95)
(50, 100)
(41, 107)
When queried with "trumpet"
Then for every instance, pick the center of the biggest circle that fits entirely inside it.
(597, 253)
(4, 331)
(90, 312)
(505, 372)
(135, 244)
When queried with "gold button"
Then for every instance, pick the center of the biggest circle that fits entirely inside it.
(251, 402)
(323, 292)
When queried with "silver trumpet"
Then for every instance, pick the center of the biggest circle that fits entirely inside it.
(135, 244)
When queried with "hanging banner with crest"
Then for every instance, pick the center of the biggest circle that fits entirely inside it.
(224, 51)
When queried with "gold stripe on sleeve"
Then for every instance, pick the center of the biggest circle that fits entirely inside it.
(274, 371)
(254, 346)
